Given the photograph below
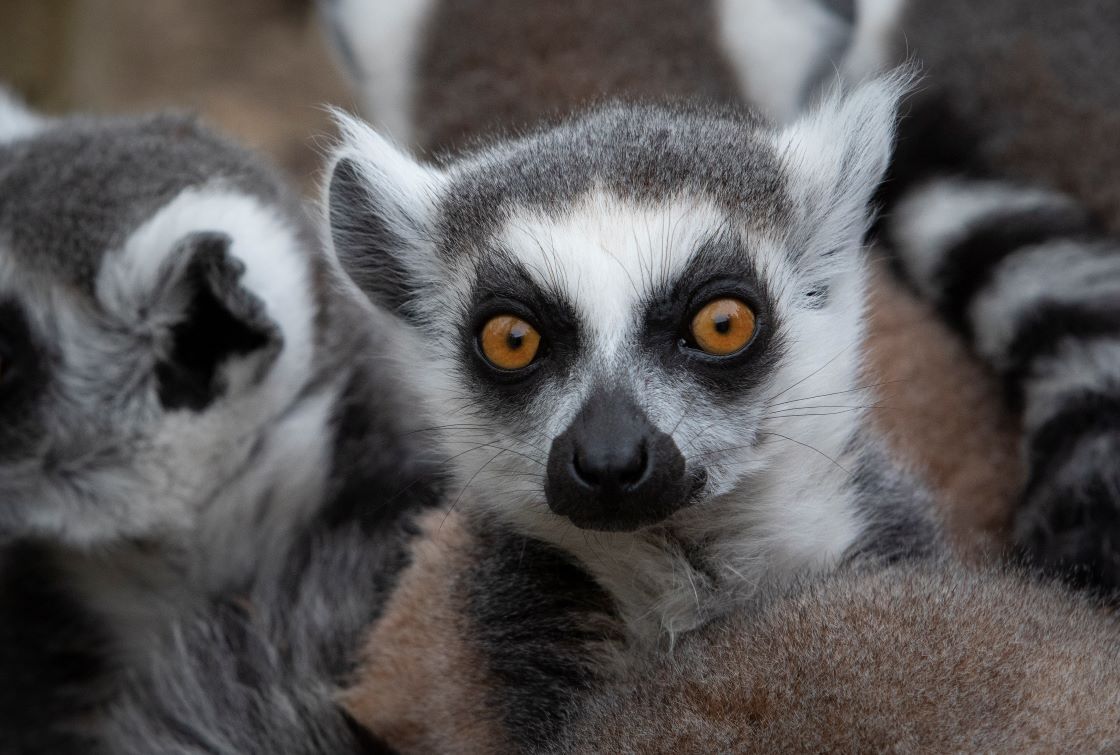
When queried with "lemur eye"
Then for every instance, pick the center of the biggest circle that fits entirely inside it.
(723, 326)
(509, 343)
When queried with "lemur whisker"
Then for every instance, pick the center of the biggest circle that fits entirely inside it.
(857, 389)
(810, 375)
(810, 447)
(463, 490)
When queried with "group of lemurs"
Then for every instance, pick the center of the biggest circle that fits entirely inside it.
(551, 428)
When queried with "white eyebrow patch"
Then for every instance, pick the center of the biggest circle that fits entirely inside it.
(606, 254)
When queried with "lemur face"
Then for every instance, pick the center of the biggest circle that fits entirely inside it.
(623, 316)
(154, 316)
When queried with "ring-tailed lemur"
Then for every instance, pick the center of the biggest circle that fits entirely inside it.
(190, 390)
(641, 329)
(1048, 80)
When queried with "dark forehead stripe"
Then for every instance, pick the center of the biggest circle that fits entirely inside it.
(643, 153)
(82, 187)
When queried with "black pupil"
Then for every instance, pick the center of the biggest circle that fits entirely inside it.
(516, 337)
(723, 324)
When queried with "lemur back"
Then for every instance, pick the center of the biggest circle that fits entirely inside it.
(192, 395)
(904, 659)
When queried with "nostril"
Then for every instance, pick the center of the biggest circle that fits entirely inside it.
(611, 469)
(583, 472)
(635, 470)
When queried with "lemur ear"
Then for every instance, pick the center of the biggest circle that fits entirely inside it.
(834, 157)
(211, 319)
(380, 203)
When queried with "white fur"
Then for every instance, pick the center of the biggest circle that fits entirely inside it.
(1061, 271)
(836, 155)
(1077, 367)
(384, 37)
(931, 220)
(878, 40)
(276, 271)
(149, 474)
(16, 120)
(778, 48)
(390, 171)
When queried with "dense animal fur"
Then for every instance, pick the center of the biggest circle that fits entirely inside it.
(1029, 281)
(403, 201)
(190, 389)
(903, 659)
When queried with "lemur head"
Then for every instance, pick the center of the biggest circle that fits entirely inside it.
(629, 313)
(154, 316)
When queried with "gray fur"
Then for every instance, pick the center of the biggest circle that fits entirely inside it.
(192, 393)
(116, 174)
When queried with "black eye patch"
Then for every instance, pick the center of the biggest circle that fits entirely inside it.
(721, 268)
(504, 287)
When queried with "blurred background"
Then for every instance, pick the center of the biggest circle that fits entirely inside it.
(259, 70)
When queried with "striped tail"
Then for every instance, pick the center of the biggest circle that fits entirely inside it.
(1024, 275)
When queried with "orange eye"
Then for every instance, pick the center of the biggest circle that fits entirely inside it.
(723, 326)
(509, 343)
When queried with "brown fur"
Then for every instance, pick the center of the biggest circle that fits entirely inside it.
(421, 685)
(942, 411)
(903, 660)
(505, 64)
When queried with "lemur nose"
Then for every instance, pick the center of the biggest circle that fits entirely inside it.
(612, 469)
(611, 465)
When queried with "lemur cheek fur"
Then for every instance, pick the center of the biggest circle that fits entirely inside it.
(612, 470)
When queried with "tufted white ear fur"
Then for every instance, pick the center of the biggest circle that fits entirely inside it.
(380, 203)
(16, 120)
(834, 157)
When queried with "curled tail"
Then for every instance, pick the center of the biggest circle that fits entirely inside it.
(1027, 278)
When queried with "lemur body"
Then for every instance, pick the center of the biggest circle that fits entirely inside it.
(187, 386)
(908, 658)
